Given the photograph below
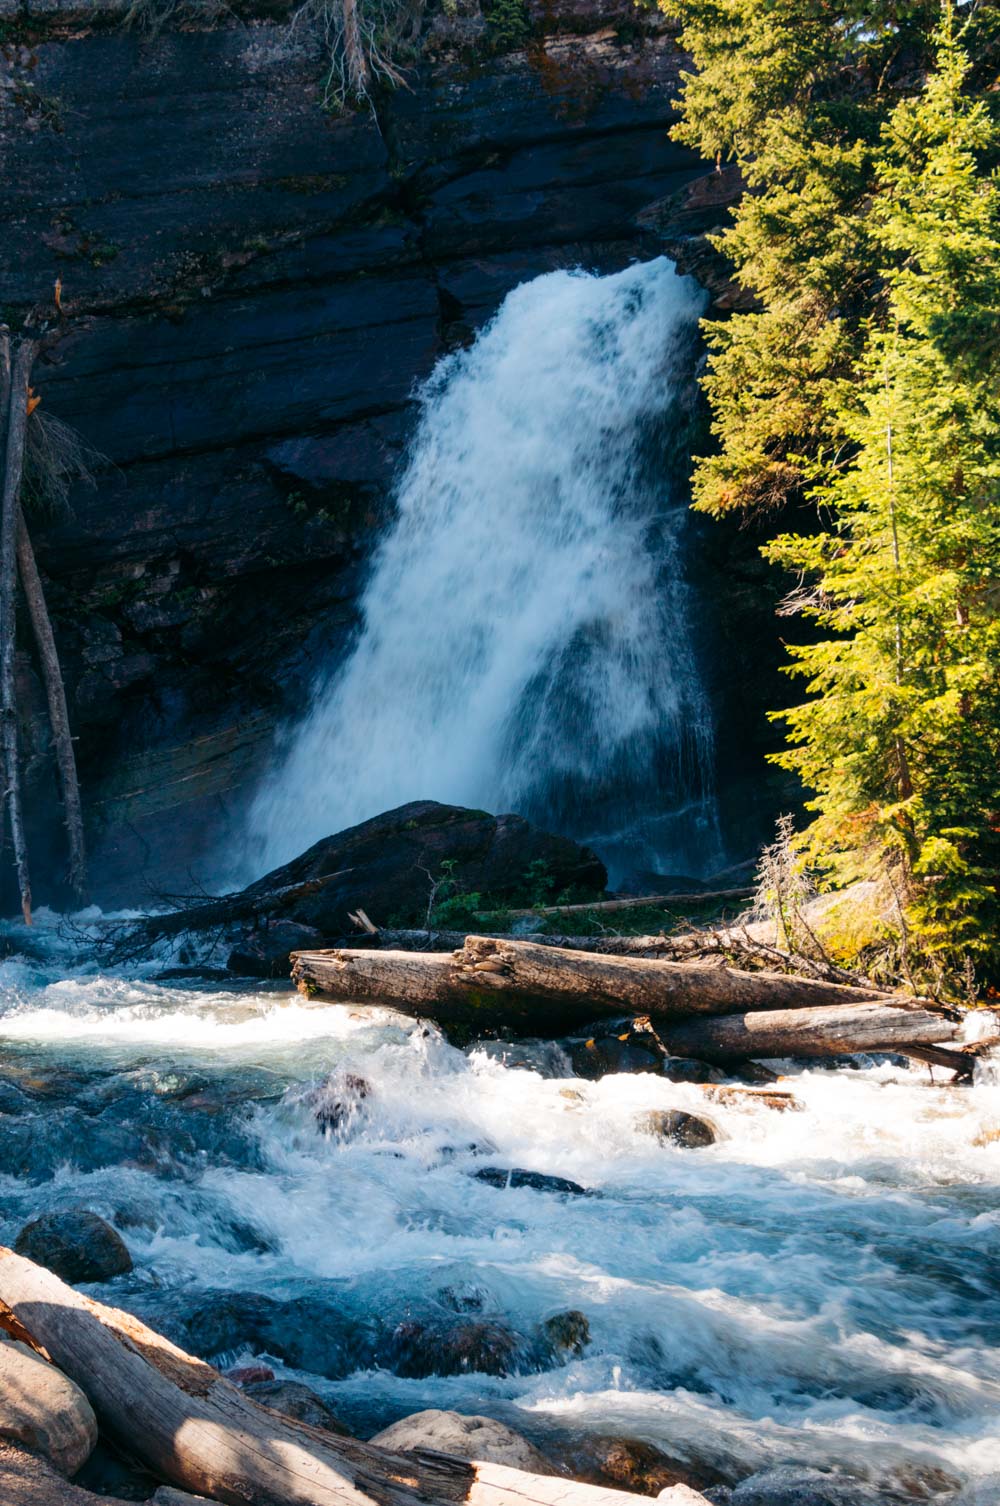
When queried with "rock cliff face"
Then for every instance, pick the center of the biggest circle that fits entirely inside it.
(252, 287)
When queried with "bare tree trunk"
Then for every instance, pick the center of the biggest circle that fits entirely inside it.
(10, 511)
(55, 692)
(198, 1430)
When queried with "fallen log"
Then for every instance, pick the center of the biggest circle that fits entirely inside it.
(491, 983)
(881, 1025)
(640, 902)
(199, 1431)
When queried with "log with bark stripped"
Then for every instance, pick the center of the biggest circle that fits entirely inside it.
(881, 1025)
(196, 1429)
(500, 983)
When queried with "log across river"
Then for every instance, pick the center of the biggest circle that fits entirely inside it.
(702, 1010)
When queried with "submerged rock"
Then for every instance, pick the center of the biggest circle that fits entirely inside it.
(77, 1245)
(479, 1438)
(678, 1127)
(307, 1333)
(293, 1399)
(517, 1176)
(790, 1486)
(43, 1410)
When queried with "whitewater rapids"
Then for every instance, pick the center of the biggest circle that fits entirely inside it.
(819, 1288)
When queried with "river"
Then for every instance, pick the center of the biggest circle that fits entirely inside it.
(819, 1288)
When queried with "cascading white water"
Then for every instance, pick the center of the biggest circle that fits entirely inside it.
(525, 642)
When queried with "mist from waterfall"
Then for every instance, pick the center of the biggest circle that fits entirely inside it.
(526, 640)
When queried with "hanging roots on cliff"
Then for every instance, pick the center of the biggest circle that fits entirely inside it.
(363, 41)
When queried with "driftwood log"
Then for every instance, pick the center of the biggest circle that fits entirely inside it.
(833, 1030)
(493, 983)
(196, 1429)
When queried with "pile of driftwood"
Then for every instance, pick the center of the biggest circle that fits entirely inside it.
(191, 1426)
(701, 1009)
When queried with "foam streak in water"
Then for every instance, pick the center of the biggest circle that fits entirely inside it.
(525, 643)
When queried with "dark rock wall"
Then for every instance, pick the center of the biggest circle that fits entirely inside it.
(252, 288)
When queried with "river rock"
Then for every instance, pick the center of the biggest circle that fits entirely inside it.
(566, 1334)
(383, 864)
(76, 1244)
(415, 1349)
(43, 1410)
(677, 1127)
(473, 1438)
(687, 1069)
(292, 1399)
(629, 1464)
(338, 1101)
(266, 953)
(517, 1176)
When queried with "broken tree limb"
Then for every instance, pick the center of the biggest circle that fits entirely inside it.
(832, 1030)
(200, 1432)
(135, 936)
(10, 512)
(501, 983)
(55, 693)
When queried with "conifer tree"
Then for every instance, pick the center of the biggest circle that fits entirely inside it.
(901, 737)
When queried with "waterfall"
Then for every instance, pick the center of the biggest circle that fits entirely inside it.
(525, 640)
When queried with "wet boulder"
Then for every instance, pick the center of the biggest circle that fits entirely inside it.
(292, 1399)
(516, 1176)
(415, 1349)
(265, 952)
(42, 1410)
(473, 1438)
(632, 1465)
(565, 1335)
(338, 1102)
(383, 865)
(677, 1127)
(76, 1244)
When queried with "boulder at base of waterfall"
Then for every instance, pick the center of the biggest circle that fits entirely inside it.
(677, 1127)
(388, 865)
(472, 1438)
(292, 1399)
(43, 1410)
(632, 1465)
(265, 952)
(76, 1245)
